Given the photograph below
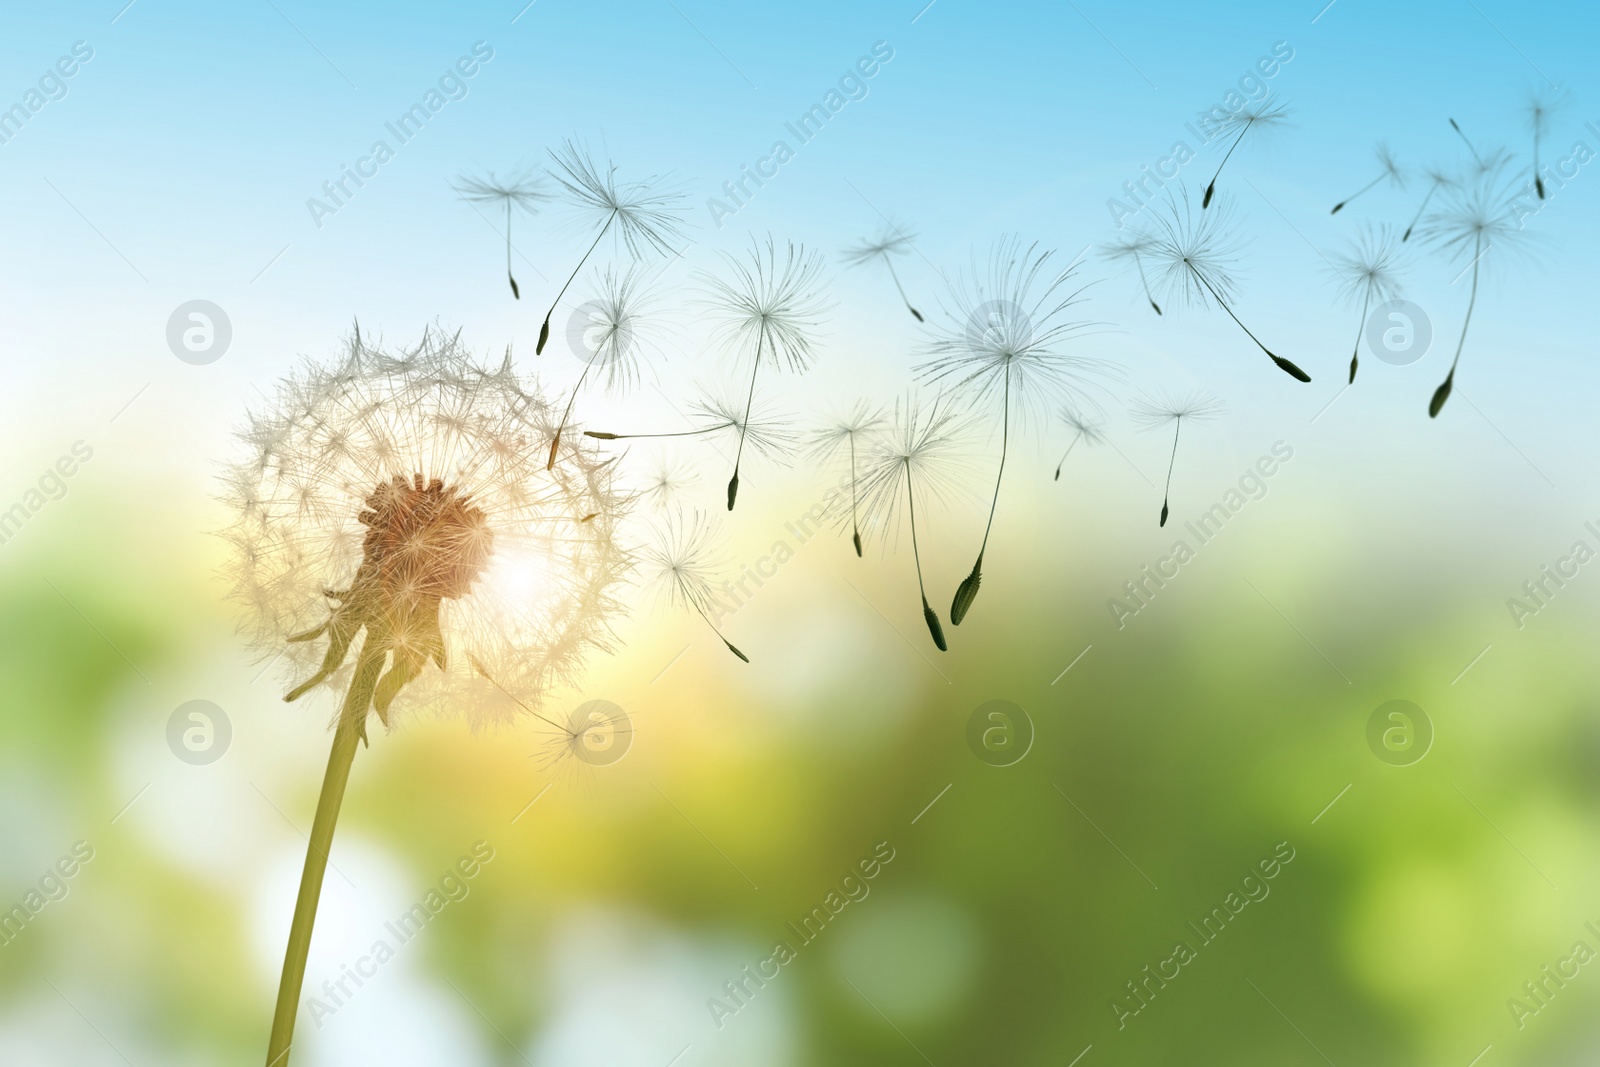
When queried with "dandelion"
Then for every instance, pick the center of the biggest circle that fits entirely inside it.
(647, 219)
(1254, 116)
(1083, 428)
(1135, 247)
(770, 307)
(389, 498)
(683, 563)
(524, 192)
(1367, 270)
(1388, 170)
(1196, 258)
(1475, 220)
(1005, 336)
(920, 453)
(892, 240)
(1437, 179)
(769, 435)
(851, 431)
(1154, 412)
(1538, 111)
(1484, 164)
(610, 336)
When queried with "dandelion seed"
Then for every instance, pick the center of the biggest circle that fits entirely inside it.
(618, 320)
(769, 435)
(1484, 164)
(1006, 329)
(1196, 257)
(1538, 111)
(524, 192)
(891, 240)
(646, 218)
(683, 563)
(1475, 220)
(851, 433)
(1367, 271)
(1437, 179)
(1255, 116)
(769, 307)
(922, 453)
(1388, 170)
(1135, 247)
(666, 485)
(1158, 411)
(388, 499)
(1083, 428)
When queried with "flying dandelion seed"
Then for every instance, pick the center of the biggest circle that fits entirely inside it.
(1258, 117)
(1196, 257)
(1367, 271)
(1437, 179)
(850, 433)
(391, 496)
(524, 192)
(768, 435)
(1157, 411)
(1475, 220)
(683, 563)
(1136, 246)
(769, 307)
(666, 485)
(1484, 164)
(1540, 107)
(610, 330)
(1388, 170)
(920, 454)
(647, 219)
(1083, 427)
(891, 240)
(1007, 325)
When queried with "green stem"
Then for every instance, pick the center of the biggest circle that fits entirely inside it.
(347, 735)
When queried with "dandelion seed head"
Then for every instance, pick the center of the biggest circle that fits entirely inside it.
(1088, 426)
(770, 304)
(1253, 116)
(1368, 269)
(396, 498)
(684, 560)
(852, 428)
(771, 435)
(525, 191)
(1476, 216)
(647, 216)
(889, 241)
(1153, 410)
(926, 448)
(613, 329)
(1007, 327)
(1196, 251)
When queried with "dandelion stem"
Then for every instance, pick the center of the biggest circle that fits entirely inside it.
(544, 330)
(555, 442)
(1205, 201)
(749, 402)
(600, 435)
(967, 591)
(1166, 492)
(929, 616)
(1476, 158)
(1355, 356)
(1441, 394)
(1075, 439)
(855, 525)
(516, 294)
(1357, 193)
(914, 312)
(1431, 190)
(731, 647)
(1283, 364)
(347, 735)
(1145, 282)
